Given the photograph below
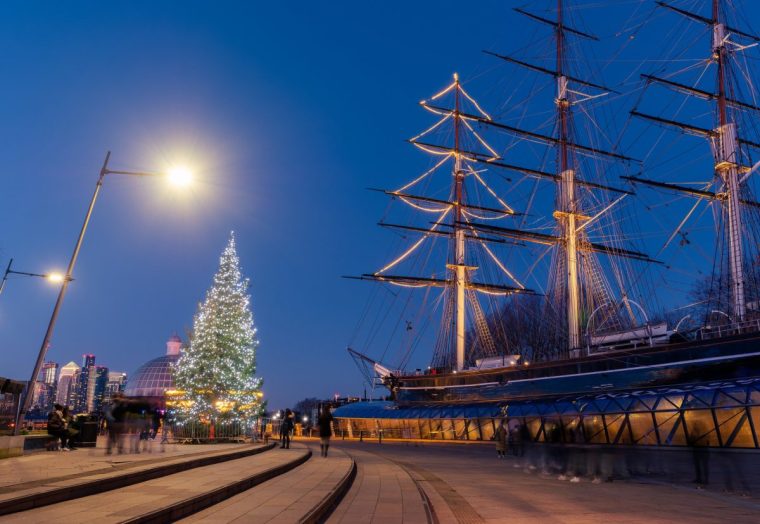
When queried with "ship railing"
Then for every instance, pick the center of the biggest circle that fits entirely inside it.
(727, 330)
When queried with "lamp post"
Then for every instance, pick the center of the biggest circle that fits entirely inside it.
(178, 176)
(52, 277)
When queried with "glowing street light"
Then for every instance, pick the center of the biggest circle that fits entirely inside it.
(178, 175)
(54, 277)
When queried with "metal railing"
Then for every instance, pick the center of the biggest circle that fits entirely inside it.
(198, 432)
(726, 330)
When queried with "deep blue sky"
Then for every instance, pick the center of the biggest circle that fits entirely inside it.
(286, 111)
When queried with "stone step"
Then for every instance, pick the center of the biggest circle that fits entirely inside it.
(307, 495)
(51, 490)
(170, 497)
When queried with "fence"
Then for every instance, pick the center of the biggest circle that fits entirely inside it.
(220, 431)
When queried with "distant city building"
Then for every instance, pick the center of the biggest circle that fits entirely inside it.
(117, 381)
(67, 380)
(80, 398)
(154, 378)
(44, 392)
(100, 383)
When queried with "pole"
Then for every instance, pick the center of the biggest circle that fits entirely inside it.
(5, 276)
(59, 301)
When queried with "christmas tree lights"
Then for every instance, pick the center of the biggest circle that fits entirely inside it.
(216, 374)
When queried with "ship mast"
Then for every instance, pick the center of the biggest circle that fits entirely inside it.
(725, 143)
(458, 232)
(452, 221)
(566, 188)
(726, 167)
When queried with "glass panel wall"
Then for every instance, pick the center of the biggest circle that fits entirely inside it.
(726, 415)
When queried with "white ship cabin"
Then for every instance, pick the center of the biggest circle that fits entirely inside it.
(503, 361)
(643, 336)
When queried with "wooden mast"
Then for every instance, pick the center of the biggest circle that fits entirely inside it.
(727, 160)
(458, 265)
(567, 201)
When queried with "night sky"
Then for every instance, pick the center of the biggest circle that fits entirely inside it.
(286, 112)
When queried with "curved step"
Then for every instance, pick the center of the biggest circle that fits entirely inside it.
(52, 491)
(306, 495)
(384, 490)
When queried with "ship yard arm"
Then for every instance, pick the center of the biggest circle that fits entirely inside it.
(546, 239)
(535, 173)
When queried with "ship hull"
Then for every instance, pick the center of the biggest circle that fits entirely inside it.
(683, 363)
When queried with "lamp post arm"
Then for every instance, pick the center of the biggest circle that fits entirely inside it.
(54, 317)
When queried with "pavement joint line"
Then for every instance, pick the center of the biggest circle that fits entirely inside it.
(458, 505)
(430, 515)
(322, 511)
(191, 505)
(92, 487)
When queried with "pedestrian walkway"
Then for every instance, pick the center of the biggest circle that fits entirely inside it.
(469, 484)
(287, 498)
(146, 499)
(383, 492)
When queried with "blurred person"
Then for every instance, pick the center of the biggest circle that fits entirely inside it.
(699, 444)
(325, 430)
(114, 417)
(500, 437)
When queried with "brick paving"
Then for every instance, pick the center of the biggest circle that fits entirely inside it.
(383, 492)
(469, 484)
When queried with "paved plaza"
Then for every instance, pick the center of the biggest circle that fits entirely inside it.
(360, 482)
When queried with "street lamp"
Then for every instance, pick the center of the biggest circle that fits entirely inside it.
(179, 176)
(53, 277)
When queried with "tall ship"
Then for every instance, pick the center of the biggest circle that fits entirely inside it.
(555, 185)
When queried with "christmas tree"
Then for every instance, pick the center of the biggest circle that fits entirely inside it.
(216, 372)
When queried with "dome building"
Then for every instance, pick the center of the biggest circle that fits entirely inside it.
(154, 378)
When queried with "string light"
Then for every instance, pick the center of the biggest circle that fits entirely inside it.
(215, 375)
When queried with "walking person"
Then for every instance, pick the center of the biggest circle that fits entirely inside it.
(325, 429)
(500, 436)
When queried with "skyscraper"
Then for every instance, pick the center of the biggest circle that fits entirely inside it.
(43, 394)
(99, 383)
(82, 396)
(117, 381)
(67, 381)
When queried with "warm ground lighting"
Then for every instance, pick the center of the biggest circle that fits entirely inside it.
(180, 176)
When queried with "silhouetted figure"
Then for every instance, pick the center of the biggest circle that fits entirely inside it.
(500, 437)
(71, 430)
(700, 447)
(56, 426)
(325, 429)
(286, 428)
(114, 416)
